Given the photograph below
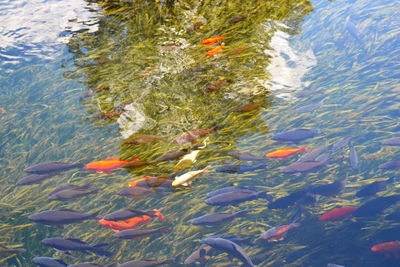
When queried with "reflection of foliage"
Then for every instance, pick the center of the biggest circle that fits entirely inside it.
(148, 52)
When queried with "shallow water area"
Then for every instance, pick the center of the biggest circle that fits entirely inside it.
(78, 78)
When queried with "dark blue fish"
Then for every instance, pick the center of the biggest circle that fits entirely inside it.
(65, 187)
(124, 214)
(307, 166)
(245, 156)
(48, 262)
(334, 265)
(217, 218)
(72, 193)
(139, 233)
(62, 216)
(229, 189)
(373, 188)
(137, 191)
(33, 179)
(145, 263)
(229, 247)
(289, 200)
(88, 264)
(328, 189)
(65, 244)
(238, 168)
(394, 216)
(296, 135)
(353, 156)
(236, 197)
(390, 165)
(51, 167)
(375, 206)
(395, 141)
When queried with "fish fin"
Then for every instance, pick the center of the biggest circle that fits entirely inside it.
(95, 215)
(67, 253)
(133, 159)
(241, 213)
(100, 171)
(158, 214)
(115, 230)
(303, 149)
(100, 251)
(137, 238)
(111, 159)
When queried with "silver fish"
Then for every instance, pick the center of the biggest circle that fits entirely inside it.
(353, 156)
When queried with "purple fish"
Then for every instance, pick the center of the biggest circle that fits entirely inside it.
(216, 218)
(72, 193)
(145, 263)
(328, 189)
(375, 206)
(236, 197)
(33, 179)
(48, 262)
(51, 167)
(395, 141)
(139, 233)
(230, 189)
(65, 244)
(62, 216)
(390, 165)
(124, 214)
(296, 135)
(229, 247)
(299, 167)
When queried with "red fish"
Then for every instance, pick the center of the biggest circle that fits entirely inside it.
(388, 248)
(285, 153)
(212, 40)
(337, 214)
(117, 226)
(108, 165)
(214, 51)
(277, 233)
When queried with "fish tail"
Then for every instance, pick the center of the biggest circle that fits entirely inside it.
(158, 214)
(99, 250)
(95, 215)
(133, 159)
(266, 196)
(241, 213)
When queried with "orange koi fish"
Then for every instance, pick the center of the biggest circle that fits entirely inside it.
(277, 233)
(337, 214)
(117, 226)
(149, 181)
(212, 40)
(285, 153)
(388, 248)
(107, 165)
(215, 50)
